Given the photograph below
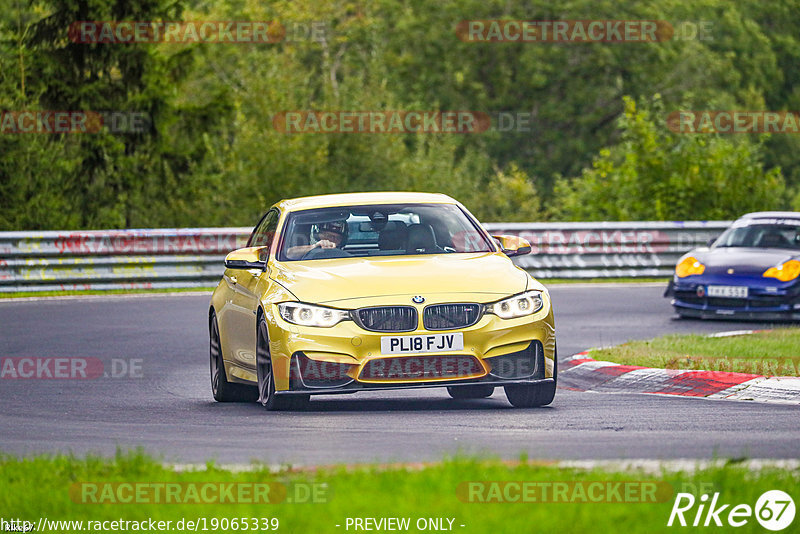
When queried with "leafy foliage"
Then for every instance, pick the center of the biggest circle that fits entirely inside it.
(654, 174)
(211, 155)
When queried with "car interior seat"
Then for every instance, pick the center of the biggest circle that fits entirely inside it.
(393, 236)
(300, 236)
(421, 239)
(774, 239)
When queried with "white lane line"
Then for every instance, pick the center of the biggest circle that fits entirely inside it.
(585, 285)
(682, 464)
(232, 468)
(733, 333)
(646, 465)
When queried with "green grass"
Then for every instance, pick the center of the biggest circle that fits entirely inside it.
(20, 294)
(774, 352)
(40, 487)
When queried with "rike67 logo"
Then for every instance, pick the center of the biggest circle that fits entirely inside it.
(774, 510)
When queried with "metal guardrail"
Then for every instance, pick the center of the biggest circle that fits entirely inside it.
(171, 258)
(115, 259)
(608, 249)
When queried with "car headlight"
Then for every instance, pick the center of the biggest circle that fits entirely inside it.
(784, 272)
(517, 306)
(689, 266)
(309, 315)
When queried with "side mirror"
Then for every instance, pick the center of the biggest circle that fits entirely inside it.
(711, 241)
(513, 245)
(246, 258)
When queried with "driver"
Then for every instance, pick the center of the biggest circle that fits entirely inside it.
(327, 235)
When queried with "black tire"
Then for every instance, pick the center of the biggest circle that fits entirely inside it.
(530, 396)
(266, 380)
(223, 390)
(477, 391)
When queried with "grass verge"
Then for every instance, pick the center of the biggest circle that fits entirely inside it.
(54, 488)
(769, 353)
(25, 294)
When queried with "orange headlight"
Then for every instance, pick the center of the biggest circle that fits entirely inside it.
(785, 272)
(689, 266)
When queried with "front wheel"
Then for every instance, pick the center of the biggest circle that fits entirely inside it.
(223, 390)
(470, 392)
(266, 378)
(530, 396)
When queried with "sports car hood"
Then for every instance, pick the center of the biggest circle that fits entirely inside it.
(330, 280)
(743, 260)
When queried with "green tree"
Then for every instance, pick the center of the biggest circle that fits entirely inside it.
(111, 178)
(654, 174)
(212, 156)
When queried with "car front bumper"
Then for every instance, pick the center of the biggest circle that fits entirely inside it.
(500, 352)
(765, 301)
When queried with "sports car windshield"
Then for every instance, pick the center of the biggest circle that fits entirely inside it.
(761, 236)
(381, 230)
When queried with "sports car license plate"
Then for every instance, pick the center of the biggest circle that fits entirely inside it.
(735, 292)
(420, 344)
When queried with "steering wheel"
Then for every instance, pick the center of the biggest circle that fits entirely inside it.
(321, 253)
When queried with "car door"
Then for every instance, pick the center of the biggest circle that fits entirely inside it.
(244, 284)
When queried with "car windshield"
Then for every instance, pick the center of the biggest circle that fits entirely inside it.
(380, 230)
(760, 235)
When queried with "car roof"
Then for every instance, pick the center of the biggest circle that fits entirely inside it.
(793, 215)
(351, 199)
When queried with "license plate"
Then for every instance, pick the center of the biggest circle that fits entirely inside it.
(734, 292)
(422, 344)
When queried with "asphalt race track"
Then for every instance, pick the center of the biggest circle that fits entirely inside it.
(168, 410)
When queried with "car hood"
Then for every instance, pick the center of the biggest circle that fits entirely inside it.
(743, 260)
(331, 280)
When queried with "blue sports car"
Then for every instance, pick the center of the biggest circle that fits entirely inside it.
(751, 271)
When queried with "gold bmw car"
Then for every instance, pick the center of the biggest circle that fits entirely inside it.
(376, 291)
